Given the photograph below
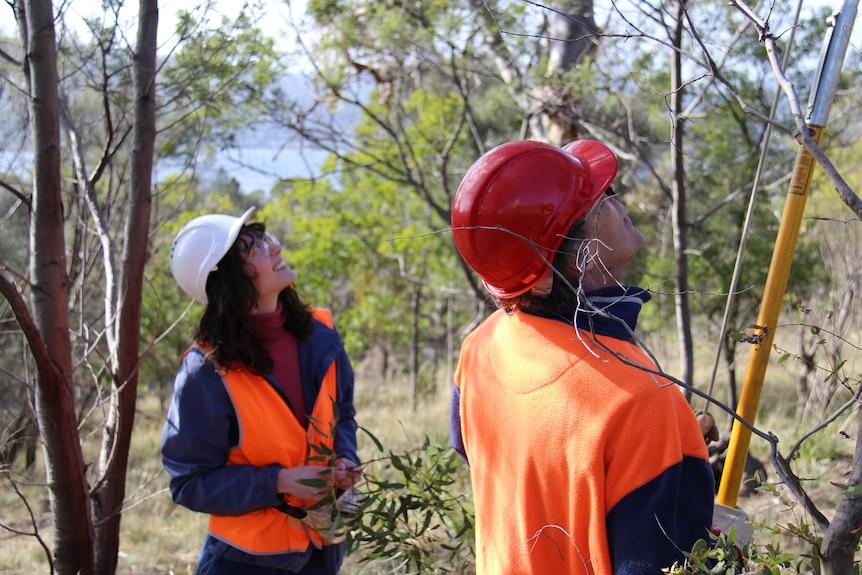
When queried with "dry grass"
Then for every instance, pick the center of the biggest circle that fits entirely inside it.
(159, 537)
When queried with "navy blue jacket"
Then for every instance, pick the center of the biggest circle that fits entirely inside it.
(201, 429)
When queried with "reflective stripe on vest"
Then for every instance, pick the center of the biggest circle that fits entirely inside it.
(269, 433)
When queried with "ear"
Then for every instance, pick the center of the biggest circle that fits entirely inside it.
(544, 287)
(585, 261)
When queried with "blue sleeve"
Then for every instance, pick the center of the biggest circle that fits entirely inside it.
(196, 440)
(456, 440)
(651, 526)
(345, 428)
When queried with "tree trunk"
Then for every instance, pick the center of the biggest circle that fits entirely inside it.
(678, 208)
(109, 496)
(415, 353)
(730, 361)
(833, 380)
(55, 400)
(803, 394)
(573, 35)
(843, 534)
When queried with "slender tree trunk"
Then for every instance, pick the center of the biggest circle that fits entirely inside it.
(803, 395)
(55, 396)
(415, 353)
(678, 209)
(730, 361)
(573, 34)
(833, 380)
(108, 499)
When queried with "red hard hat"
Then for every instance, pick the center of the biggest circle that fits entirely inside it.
(517, 202)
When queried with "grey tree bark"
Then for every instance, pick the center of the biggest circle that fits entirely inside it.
(842, 537)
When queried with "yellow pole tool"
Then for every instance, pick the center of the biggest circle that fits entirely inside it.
(829, 69)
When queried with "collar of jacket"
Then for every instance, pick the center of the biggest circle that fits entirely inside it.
(611, 311)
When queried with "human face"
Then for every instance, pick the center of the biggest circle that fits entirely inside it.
(611, 241)
(270, 274)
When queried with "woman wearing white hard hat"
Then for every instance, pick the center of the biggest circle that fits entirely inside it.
(262, 407)
(581, 460)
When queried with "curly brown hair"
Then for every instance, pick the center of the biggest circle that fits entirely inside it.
(227, 327)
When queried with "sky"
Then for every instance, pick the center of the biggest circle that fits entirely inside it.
(255, 166)
(274, 24)
(277, 13)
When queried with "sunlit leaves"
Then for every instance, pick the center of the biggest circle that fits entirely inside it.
(216, 82)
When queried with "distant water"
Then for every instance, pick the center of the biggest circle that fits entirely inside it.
(254, 168)
(259, 167)
(265, 153)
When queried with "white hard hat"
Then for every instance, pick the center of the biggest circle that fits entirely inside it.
(199, 247)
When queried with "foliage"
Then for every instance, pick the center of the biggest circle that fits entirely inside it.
(214, 84)
(368, 247)
(414, 514)
(410, 511)
(721, 555)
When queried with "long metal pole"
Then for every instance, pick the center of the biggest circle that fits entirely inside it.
(831, 59)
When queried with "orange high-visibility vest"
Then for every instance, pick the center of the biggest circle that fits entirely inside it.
(552, 443)
(269, 433)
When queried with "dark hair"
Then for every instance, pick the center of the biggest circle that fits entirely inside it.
(562, 296)
(227, 327)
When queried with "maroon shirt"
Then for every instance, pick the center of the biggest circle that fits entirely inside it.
(282, 348)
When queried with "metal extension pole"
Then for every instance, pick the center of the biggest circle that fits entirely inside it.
(831, 59)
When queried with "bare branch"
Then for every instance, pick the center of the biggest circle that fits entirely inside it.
(782, 467)
(20, 195)
(803, 134)
(33, 521)
(27, 324)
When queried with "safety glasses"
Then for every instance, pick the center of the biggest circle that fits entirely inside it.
(264, 244)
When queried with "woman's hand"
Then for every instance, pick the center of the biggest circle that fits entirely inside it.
(321, 478)
(346, 473)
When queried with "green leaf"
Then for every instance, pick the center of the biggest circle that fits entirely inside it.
(376, 441)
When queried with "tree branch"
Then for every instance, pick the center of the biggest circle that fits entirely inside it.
(803, 133)
(20, 195)
(28, 326)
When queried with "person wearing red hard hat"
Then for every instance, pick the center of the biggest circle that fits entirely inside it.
(262, 404)
(581, 460)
